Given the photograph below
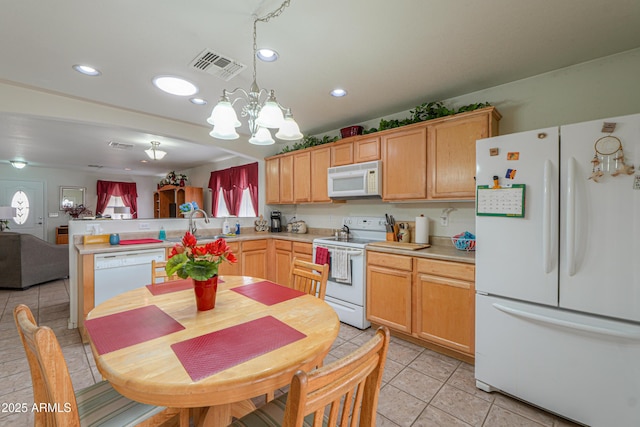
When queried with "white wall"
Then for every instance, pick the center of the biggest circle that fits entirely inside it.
(597, 89)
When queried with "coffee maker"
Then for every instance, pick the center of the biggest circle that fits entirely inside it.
(276, 221)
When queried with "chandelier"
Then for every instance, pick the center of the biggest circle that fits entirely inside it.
(154, 153)
(262, 114)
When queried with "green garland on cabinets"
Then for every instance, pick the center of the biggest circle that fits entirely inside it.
(421, 113)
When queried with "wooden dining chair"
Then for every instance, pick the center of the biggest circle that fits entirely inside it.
(158, 272)
(348, 388)
(308, 277)
(99, 404)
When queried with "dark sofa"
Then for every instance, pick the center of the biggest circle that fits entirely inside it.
(26, 260)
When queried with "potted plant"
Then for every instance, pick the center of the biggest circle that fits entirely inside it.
(200, 263)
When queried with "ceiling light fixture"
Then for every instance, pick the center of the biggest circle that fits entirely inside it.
(18, 164)
(267, 55)
(154, 153)
(175, 85)
(198, 101)
(87, 70)
(262, 115)
(338, 93)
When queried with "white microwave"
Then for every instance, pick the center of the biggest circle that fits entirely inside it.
(359, 180)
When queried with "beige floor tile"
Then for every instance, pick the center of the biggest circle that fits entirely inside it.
(402, 354)
(524, 409)
(417, 384)
(462, 405)
(464, 379)
(500, 417)
(399, 406)
(436, 367)
(434, 417)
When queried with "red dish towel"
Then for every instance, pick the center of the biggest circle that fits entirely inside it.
(214, 352)
(131, 327)
(322, 256)
(268, 293)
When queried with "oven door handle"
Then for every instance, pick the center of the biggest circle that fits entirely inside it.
(349, 251)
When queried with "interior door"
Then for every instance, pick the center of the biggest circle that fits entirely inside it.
(28, 199)
(599, 246)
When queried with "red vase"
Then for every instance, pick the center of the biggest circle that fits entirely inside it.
(205, 291)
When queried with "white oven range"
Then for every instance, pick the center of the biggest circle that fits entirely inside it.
(346, 287)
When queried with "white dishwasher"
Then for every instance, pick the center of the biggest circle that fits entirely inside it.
(118, 272)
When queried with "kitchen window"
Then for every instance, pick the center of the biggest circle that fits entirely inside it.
(235, 191)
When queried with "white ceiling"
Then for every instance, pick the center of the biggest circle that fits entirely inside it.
(389, 55)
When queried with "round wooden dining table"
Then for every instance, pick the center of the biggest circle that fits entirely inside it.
(155, 347)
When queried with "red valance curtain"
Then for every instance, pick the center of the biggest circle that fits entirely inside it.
(233, 181)
(126, 190)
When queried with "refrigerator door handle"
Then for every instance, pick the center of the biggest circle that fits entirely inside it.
(568, 324)
(571, 217)
(546, 218)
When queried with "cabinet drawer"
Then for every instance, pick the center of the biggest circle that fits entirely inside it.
(397, 262)
(254, 245)
(302, 248)
(283, 245)
(454, 270)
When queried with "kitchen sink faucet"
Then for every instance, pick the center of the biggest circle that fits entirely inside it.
(192, 224)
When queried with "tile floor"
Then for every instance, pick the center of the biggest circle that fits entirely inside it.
(420, 387)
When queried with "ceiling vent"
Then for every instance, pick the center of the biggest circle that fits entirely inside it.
(120, 145)
(217, 64)
(95, 166)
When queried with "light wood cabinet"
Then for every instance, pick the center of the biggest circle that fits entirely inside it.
(272, 180)
(167, 200)
(253, 254)
(404, 164)
(303, 177)
(320, 163)
(452, 153)
(429, 300)
(445, 304)
(389, 280)
(431, 160)
(342, 152)
(303, 251)
(286, 179)
(282, 261)
(232, 269)
(366, 149)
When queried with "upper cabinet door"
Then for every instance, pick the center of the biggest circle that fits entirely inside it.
(452, 154)
(342, 153)
(366, 149)
(320, 162)
(302, 173)
(404, 164)
(272, 168)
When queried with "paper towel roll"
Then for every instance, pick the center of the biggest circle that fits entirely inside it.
(422, 229)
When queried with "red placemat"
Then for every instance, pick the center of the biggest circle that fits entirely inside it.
(173, 286)
(127, 328)
(268, 293)
(214, 352)
(139, 241)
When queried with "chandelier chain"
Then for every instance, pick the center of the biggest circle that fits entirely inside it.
(265, 18)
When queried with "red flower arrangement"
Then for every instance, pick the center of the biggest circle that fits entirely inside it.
(198, 262)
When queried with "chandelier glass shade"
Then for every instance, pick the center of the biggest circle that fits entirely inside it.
(262, 110)
(154, 153)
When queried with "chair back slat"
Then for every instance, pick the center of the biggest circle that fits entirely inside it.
(309, 277)
(158, 272)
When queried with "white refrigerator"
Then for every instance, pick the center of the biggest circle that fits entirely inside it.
(558, 269)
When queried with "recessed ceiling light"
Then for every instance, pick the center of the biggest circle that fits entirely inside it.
(175, 85)
(198, 101)
(267, 55)
(338, 93)
(87, 70)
